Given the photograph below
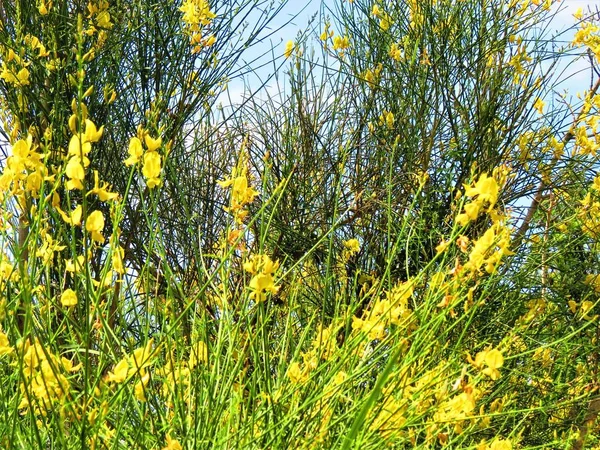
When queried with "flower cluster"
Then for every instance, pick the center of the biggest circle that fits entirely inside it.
(384, 18)
(485, 195)
(134, 364)
(262, 269)
(196, 16)
(24, 171)
(489, 249)
(588, 35)
(80, 146)
(488, 361)
(241, 192)
(44, 377)
(15, 72)
(152, 160)
(392, 310)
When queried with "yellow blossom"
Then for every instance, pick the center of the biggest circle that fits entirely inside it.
(352, 245)
(289, 48)
(262, 284)
(92, 134)
(442, 246)
(117, 260)
(135, 151)
(68, 365)
(241, 195)
(295, 373)
(68, 298)
(75, 172)
(210, 41)
(103, 20)
(140, 388)
(539, 106)
(44, 7)
(493, 359)
(142, 356)
(263, 281)
(74, 218)
(80, 147)
(172, 444)
(94, 224)
(486, 189)
(151, 169)
(500, 444)
(102, 191)
(395, 52)
(151, 143)
(119, 373)
(341, 43)
(5, 348)
(196, 13)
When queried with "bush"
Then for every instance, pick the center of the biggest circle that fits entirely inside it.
(398, 249)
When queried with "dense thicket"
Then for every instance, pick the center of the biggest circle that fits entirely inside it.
(398, 248)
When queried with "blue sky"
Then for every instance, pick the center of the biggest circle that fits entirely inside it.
(304, 10)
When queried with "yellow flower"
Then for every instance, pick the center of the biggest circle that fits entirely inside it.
(74, 218)
(395, 52)
(486, 189)
(151, 143)
(44, 7)
(241, 195)
(389, 119)
(140, 388)
(117, 260)
(119, 373)
(172, 444)
(372, 76)
(94, 225)
(493, 359)
(79, 148)
(75, 265)
(262, 284)
(5, 348)
(101, 191)
(142, 357)
(441, 247)
(76, 174)
(68, 298)
(586, 307)
(352, 245)
(289, 48)
(209, 42)
(385, 22)
(500, 444)
(68, 365)
(135, 151)
(341, 43)
(261, 264)
(539, 106)
(578, 14)
(23, 77)
(151, 169)
(295, 374)
(103, 20)
(91, 133)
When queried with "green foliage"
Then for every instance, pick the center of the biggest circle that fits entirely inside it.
(398, 248)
